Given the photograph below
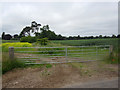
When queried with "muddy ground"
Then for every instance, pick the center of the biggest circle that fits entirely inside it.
(58, 75)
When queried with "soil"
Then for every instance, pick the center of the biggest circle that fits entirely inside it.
(58, 75)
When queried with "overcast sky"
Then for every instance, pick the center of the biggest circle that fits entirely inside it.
(65, 18)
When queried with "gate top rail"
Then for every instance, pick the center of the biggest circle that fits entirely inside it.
(65, 46)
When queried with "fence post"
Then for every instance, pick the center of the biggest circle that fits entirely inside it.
(11, 53)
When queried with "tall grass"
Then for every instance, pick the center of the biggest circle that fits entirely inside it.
(112, 59)
(8, 64)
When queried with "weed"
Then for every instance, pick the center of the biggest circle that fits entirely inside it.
(36, 66)
(8, 64)
(48, 65)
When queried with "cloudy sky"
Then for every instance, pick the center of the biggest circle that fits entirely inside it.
(65, 18)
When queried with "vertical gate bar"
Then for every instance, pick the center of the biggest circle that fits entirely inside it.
(96, 53)
(82, 51)
(110, 49)
(66, 53)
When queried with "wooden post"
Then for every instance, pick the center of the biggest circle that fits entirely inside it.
(11, 53)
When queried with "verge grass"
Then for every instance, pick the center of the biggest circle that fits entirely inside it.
(8, 64)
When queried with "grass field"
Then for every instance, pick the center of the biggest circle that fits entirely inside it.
(86, 42)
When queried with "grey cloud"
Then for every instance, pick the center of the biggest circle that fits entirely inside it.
(63, 18)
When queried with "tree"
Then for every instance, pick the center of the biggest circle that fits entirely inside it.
(113, 36)
(35, 27)
(46, 33)
(25, 31)
(15, 36)
(43, 41)
(78, 37)
(59, 37)
(100, 36)
(7, 37)
(3, 35)
(28, 29)
(118, 36)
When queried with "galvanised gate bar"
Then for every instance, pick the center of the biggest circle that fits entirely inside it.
(45, 55)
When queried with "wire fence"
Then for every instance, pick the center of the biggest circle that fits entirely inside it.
(45, 55)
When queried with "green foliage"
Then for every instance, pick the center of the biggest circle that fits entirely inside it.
(112, 58)
(48, 65)
(36, 65)
(46, 33)
(8, 64)
(28, 39)
(15, 39)
(25, 30)
(43, 41)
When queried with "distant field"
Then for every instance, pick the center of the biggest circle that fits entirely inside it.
(82, 42)
(87, 42)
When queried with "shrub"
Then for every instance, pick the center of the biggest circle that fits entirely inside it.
(15, 39)
(112, 58)
(43, 41)
(7, 37)
(28, 39)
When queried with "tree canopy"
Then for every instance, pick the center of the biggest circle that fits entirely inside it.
(44, 31)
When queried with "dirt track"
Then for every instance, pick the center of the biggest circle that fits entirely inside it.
(105, 83)
(57, 76)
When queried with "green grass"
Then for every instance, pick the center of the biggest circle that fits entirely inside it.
(88, 42)
(36, 66)
(112, 58)
(8, 64)
(48, 65)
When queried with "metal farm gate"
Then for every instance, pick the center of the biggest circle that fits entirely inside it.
(45, 55)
